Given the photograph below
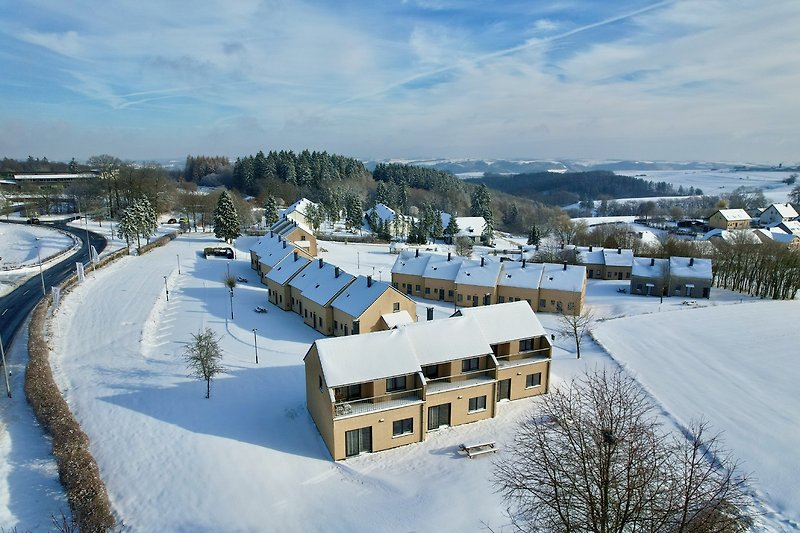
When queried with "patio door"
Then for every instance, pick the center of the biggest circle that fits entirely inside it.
(358, 441)
(438, 416)
(504, 390)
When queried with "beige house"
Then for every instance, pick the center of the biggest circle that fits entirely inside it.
(650, 276)
(366, 306)
(278, 279)
(519, 281)
(439, 277)
(407, 272)
(730, 219)
(269, 251)
(592, 258)
(562, 289)
(298, 211)
(298, 234)
(313, 290)
(372, 392)
(476, 282)
(606, 263)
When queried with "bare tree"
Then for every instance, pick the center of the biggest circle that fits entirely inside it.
(576, 326)
(594, 457)
(203, 355)
(230, 282)
(463, 246)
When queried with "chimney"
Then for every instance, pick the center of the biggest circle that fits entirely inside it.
(284, 244)
(429, 314)
(619, 250)
(691, 261)
(295, 255)
(590, 247)
(321, 262)
(369, 281)
(565, 265)
(483, 261)
(523, 262)
(336, 272)
(271, 234)
(652, 261)
(417, 253)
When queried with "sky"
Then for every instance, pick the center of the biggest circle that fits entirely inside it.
(144, 80)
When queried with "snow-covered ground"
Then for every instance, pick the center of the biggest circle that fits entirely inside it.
(250, 456)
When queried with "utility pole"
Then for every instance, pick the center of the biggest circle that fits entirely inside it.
(255, 343)
(166, 289)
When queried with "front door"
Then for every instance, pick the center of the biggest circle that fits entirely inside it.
(438, 416)
(358, 441)
(619, 275)
(408, 289)
(441, 294)
(706, 292)
(504, 390)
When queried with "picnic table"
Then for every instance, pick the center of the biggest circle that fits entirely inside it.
(475, 450)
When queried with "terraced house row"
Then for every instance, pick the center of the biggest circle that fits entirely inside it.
(546, 287)
(373, 392)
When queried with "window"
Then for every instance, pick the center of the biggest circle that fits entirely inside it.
(468, 365)
(427, 290)
(477, 404)
(402, 427)
(501, 299)
(395, 285)
(542, 304)
(417, 288)
(570, 306)
(320, 322)
(533, 380)
(525, 345)
(559, 307)
(395, 384)
(335, 325)
(395, 307)
(431, 371)
(450, 293)
(460, 297)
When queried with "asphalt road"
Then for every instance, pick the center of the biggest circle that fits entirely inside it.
(15, 306)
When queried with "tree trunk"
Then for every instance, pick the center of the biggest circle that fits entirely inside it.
(208, 388)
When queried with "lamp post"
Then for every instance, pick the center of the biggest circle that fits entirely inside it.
(41, 274)
(358, 258)
(179, 262)
(166, 289)
(255, 343)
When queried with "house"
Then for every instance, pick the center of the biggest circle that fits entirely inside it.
(408, 270)
(367, 305)
(776, 235)
(649, 276)
(279, 277)
(476, 281)
(268, 251)
(776, 214)
(377, 391)
(594, 261)
(562, 289)
(469, 227)
(618, 263)
(383, 212)
(519, 281)
(313, 289)
(789, 226)
(729, 219)
(691, 277)
(297, 233)
(439, 277)
(298, 211)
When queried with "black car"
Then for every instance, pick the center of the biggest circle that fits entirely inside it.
(33, 220)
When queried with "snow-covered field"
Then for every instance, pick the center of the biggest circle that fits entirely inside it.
(250, 458)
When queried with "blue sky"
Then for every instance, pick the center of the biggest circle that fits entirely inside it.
(681, 80)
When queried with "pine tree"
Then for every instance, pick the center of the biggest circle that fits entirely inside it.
(127, 227)
(438, 228)
(146, 219)
(353, 211)
(226, 220)
(452, 228)
(270, 210)
(381, 195)
(533, 235)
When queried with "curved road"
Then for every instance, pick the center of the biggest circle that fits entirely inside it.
(15, 306)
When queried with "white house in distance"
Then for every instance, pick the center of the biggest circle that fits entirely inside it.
(382, 211)
(297, 211)
(470, 227)
(776, 214)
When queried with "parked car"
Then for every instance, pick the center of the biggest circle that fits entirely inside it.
(33, 220)
(172, 221)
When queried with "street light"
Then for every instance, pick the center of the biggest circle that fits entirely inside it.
(255, 343)
(41, 274)
(166, 289)
(179, 262)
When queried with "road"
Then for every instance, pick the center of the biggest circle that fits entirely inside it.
(15, 306)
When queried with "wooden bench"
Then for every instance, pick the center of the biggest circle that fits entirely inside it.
(474, 450)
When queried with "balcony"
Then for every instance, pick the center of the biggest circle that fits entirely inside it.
(458, 381)
(523, 358)
(390, 400)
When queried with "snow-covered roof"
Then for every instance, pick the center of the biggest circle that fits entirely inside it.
(699, 268)
(358, 296)
(271, 249)
(618, 257)
(392, 320)
(790, 226)
(513, 274)
(784, 210)
(359, 358)
(320, 284)
(438, 341)
(410, 263)
(734, 214)
(300, 206)
(56, 177)
(467, 226)
(438, 267)
(285, 226)
(384, 212)
(556, 277)
(590, 257)
(286, 268)
(647, 267)
(483, 272)
(504, 322)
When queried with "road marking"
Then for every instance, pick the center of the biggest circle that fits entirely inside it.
(26, 292)
(4, 312)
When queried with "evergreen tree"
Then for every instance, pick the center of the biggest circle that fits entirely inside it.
(482, 207)
(73, 166)
(127, 228)
(373, 221)
(452, 228)
(438, 229)
(147, 220)
(270, 210)
(381, 194)
(533, 235)
(353, 211)
(226, 220)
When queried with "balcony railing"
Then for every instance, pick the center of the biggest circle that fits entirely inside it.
(540, 354)
(457, 381)
(376, 403)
